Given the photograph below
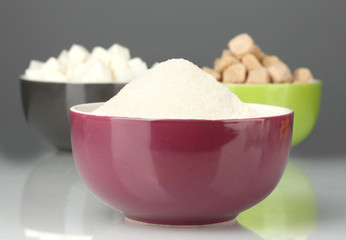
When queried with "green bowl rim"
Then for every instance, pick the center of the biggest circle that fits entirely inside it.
(314, 82)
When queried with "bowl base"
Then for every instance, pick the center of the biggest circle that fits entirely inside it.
(181, 223)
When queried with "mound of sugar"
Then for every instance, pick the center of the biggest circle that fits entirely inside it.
(176, 89)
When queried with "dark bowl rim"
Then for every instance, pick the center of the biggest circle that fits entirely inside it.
(314, 82)
(289, 112)
(49, 82)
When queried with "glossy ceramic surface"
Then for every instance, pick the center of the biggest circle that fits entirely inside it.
(46, 105)
(303, 99)
(180, 172)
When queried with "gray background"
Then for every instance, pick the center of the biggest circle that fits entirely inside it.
(302, 33)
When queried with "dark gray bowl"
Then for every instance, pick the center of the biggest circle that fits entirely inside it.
(46, 105)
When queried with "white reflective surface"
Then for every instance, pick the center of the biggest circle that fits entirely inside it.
(45, 199)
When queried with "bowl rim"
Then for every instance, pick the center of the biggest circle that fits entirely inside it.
(23, 78)
(288, 112)
(314, 82)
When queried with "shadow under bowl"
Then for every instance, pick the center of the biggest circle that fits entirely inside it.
(303, 99)
(180, 171)
(46, 105)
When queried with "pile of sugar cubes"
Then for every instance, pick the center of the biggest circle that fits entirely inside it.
(79, 65)
(244, 62)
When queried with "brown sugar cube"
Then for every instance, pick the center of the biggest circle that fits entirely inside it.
(280, 73)
(258, 52)
(235, 73)
(226, 52)
(212, 72)
(268, 61)
(258, 76)
(302, 75)
(222, 63)
(250, 62)
(241, 45)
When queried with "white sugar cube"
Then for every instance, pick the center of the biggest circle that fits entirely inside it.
(63, 57)
(78, 72)
(100, 73)
(155, 64)
(34, 64)
(118, 61)
(54, 75)
(78, 53)
(63, 60)
(92, 71)
(101, 54)
(51, 64)
(70, 70)
(120, 51)
(33, 74)
(137, 66)
(123, 74)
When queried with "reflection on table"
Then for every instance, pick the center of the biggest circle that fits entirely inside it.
(289, 212)
(57, 205)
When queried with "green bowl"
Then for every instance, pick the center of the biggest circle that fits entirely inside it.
(303, 98)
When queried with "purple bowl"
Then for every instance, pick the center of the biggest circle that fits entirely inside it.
(180, 172)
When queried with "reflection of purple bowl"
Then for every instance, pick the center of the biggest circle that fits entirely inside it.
(180, 172)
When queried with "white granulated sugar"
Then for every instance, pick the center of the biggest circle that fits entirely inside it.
(176, 89)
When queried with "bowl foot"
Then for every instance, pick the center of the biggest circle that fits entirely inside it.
(181, 223)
